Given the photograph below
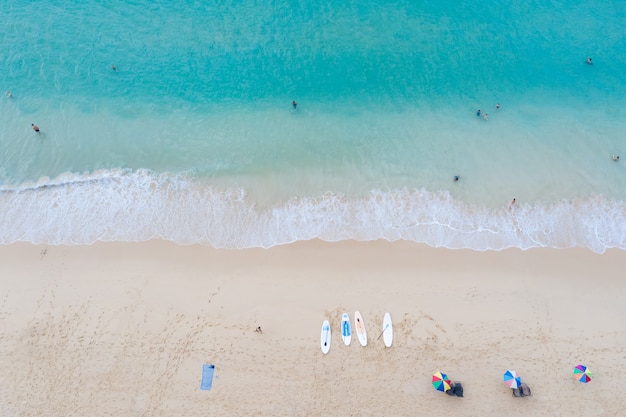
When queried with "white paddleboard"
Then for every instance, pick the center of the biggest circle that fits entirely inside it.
(387, 330)
(346, 329)
(360, 328)
(325, 337)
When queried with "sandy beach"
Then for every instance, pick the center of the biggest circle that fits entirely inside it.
(123, 329)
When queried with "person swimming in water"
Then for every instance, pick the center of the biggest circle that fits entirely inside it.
(498, 106)
(616, 158)
(589, 62)
(486, 116)
(456, 178)
(35, 127)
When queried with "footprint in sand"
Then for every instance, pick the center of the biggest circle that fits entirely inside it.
(428, 330)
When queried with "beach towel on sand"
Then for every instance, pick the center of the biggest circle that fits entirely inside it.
(207, 376)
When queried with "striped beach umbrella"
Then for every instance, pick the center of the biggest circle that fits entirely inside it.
(441, 382)
(512, 379)
(582, 373)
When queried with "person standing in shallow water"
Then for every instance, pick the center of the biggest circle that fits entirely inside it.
(294, 104)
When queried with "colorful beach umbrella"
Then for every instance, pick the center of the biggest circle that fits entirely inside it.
(512, 379)
(441, 382)
(582, 373)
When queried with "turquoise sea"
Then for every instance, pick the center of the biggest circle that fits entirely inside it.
(175, 120)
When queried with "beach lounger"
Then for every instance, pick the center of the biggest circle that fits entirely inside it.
(525, 390)
(516, 392)
(458, 389)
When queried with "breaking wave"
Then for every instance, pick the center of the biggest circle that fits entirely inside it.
(124, 205)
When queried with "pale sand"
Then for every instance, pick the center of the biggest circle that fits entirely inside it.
(123, 330)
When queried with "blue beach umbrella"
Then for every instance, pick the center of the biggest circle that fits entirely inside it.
(512, 379)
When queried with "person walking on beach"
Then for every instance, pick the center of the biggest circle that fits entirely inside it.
(35, 127)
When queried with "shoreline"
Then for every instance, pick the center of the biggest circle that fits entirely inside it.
(131, 208)
(124, 328)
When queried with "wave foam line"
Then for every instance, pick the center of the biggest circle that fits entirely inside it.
(79, 209)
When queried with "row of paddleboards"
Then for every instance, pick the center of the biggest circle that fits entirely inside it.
(361, 332)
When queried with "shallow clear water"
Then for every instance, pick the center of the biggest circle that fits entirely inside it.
(193, 137)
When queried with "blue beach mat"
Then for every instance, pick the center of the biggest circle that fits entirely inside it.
(207, 376)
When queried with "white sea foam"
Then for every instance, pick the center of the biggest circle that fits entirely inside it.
(140, 205)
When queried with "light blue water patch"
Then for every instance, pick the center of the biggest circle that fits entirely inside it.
(200, 100)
